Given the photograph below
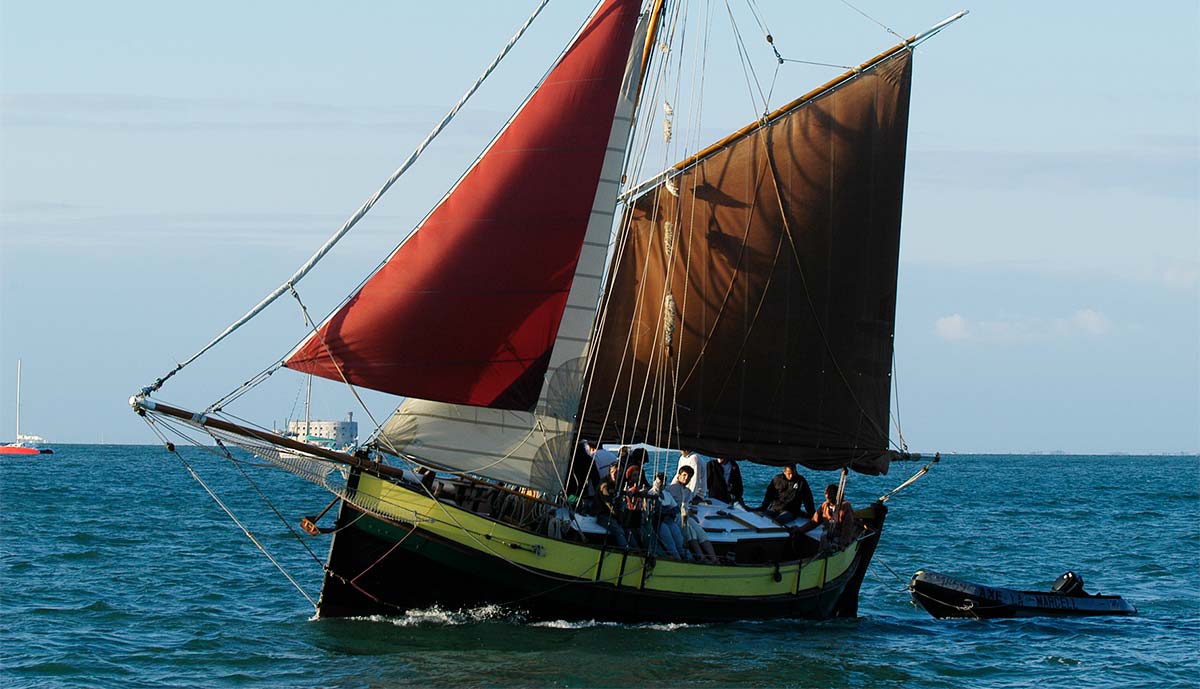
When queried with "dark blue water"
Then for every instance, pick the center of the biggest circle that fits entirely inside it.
(119, 571)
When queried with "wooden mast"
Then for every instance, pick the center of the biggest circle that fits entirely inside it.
(651, 39)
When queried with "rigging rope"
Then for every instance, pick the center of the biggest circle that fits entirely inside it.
(817, 64)
(353, 390)
(873, 19)
(885, 566)
(265, 499)
(353, 220)
(172, 449)
(748, 72)
(896, 388)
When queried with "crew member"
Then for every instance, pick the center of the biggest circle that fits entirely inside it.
(838, 518)
(698, 483)
(609, 498)
(725, 481)
(788, 497)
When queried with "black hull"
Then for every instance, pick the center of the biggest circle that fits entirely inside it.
(946, 597)
(378, 567)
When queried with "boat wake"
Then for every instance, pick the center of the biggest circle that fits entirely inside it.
(439, 617)
(593, 624)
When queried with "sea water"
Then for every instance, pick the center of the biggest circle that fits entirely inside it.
(117, 569)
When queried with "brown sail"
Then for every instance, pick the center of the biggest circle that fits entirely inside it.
(751, 302)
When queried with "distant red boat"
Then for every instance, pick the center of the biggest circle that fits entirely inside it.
(23, 450)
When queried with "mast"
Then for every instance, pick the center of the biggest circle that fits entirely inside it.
(651, 39)
(18, 436)
(307, 413)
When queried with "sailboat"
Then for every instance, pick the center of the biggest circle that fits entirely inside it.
(24, 444)
(738, 303)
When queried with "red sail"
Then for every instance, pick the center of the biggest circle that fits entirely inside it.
(467, 309)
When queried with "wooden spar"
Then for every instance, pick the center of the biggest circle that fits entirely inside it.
(651, 39)
(142, 405)
(908, 44)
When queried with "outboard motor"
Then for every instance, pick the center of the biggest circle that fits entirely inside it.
(1069, 583)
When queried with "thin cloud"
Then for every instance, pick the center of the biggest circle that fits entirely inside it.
(290, 230)
(953, 327)
(1086, 322)
(1181, 277)
(1152, 169)
(165, 114)
(1081, 323)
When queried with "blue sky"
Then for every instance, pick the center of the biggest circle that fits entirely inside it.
(164, 166)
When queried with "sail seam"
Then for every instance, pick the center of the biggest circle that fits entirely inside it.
(507, 457)
(808, 296)
(454, 419)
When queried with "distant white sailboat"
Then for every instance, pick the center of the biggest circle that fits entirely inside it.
(24, 444)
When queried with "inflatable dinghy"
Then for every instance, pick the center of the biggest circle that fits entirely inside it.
(944, 596)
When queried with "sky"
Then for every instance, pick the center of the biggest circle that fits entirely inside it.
(163, 166)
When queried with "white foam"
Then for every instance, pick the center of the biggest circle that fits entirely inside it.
(437, 616)
(591, 624)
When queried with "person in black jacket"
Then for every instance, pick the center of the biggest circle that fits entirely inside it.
(788, 497)
(725, 481)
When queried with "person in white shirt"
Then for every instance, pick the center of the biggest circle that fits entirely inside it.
(693, 534)
(698, 483)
